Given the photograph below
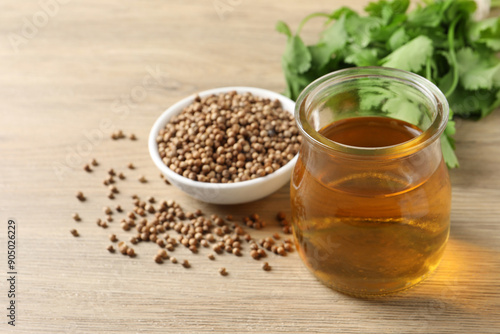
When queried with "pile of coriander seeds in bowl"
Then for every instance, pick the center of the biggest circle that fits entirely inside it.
(227, 145)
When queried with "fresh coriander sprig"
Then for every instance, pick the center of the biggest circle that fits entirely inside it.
(438, 40)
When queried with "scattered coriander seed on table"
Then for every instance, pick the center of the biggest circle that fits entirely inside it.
(162, 253)
(131, 252)
(76, 217)
(80, 196)
(281, 251)
(124, 249)
(74, 232)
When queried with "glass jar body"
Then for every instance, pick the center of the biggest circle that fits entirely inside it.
(369, 223)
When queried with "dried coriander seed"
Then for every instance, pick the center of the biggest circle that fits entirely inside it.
(132, 137)
(80, 196)
(123, 249)
(281, 216)
(186, 264)
(117, 135)
(211, 256)
(110, 249)
(87, 168)
(113, 238)
(76, 217)
(94, 162)
(74, 232)
(162, 253)
(130, 165)
(266, 266)
(229, 138)
(158, 259)
(142, 179)
(223, 271)
(254, 254)
(174, 260)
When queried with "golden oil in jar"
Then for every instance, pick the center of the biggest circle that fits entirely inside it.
(365, 227)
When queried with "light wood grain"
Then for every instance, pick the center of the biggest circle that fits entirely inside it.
(75, 72)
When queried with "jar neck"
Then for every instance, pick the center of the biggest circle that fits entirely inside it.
(314, 107)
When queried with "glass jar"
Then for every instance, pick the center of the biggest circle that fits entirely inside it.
(370, 192)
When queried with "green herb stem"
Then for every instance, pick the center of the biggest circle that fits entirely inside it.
(308, 17)
(451, 43)
(428, 73)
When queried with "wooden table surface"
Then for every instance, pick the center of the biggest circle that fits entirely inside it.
(94, 65)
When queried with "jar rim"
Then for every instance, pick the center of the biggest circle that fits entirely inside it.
(427, 137)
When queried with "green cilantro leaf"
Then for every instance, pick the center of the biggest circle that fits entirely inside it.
(411, 56)
(296, 58)
(283, 28)
(448, 152)
(477, 72)
(486, 32)
(361, 56)
(333, 39)
(398, 39)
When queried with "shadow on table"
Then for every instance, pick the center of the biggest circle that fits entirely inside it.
(463, 290)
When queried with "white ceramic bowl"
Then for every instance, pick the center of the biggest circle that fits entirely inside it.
(222, 193)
